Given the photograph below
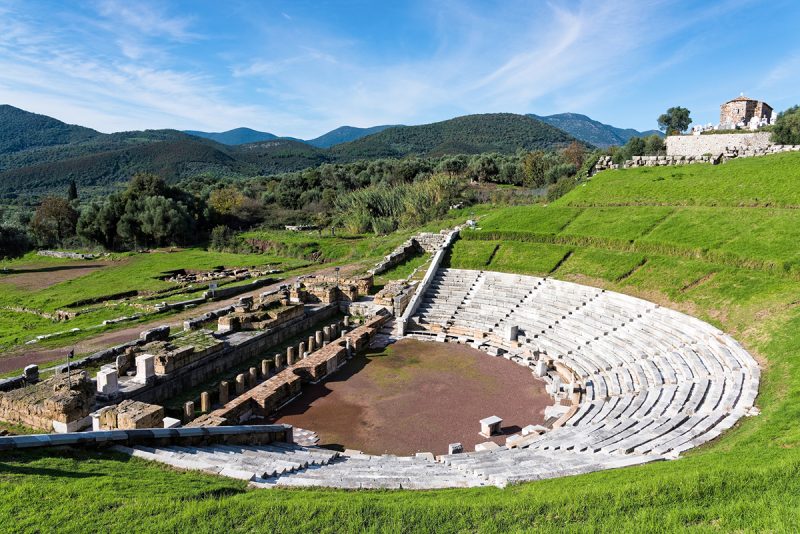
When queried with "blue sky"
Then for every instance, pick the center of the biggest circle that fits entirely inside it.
(302, 68)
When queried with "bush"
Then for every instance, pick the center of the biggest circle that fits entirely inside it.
(221, 239)
(557, 172)
(561, 188)
(787, 128)
(14, 242)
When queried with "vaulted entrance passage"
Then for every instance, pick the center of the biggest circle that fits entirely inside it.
(418, 397)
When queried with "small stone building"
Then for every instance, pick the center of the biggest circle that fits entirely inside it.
(742, 110)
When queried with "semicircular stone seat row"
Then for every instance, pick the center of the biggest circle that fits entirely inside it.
(646, 383)
(652, 382)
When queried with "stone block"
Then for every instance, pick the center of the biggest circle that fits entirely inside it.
(486, 446)
(188, 411)
(107, 381)
(541, 368)
(252, 377)
(160, 333)
(31, 374)
(490, 426)
(455, 448)
(145, 368)
(171, 422)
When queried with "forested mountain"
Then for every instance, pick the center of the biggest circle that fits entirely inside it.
(237, 136)
(241, 136)
(345, 134)
(591, 131)
(21, 130)
(504, 133)
(40, 154)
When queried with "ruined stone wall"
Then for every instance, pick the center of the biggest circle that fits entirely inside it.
(58, 403)
(129, 415)
(698, 145)
(239, 348)
(269, 395)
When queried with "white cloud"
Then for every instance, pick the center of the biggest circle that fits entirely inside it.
(303, 79)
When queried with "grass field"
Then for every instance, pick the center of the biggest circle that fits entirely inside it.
(116, 274)
(714, 242)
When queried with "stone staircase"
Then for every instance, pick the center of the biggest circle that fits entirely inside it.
(257, 462)
(361, 471)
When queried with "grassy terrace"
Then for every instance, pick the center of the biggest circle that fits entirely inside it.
(717, 242)
(46, 285)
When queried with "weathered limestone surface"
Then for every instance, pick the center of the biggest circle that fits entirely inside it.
(129, 415)
(58, 403)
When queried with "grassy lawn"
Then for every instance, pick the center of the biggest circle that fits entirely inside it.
(528, 258)
(769, 181)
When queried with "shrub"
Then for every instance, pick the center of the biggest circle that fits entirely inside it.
(561, 188)
(787, 128)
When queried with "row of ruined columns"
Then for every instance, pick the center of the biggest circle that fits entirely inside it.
(245, 381)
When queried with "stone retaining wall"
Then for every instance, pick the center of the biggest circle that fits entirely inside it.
(269, 395)
(240, 346)
(230, 435)
(61, 403)
(697, 145)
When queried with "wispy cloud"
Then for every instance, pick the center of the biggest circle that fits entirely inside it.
(123, 65)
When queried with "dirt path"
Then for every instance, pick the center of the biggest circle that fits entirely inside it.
(418, 397)
(27, 355)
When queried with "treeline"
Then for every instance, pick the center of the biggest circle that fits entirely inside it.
(363, 196)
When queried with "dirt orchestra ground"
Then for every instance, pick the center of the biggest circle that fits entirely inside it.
(416, 397)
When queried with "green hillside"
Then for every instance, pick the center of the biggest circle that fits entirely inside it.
(20, 130)
(345, 134)
(237, 136)
(53, 156)
(504, 133)
(717, 242)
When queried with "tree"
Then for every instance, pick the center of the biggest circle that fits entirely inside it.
(13, 242)
(654, 146)
(54, 221)
(226, 201)
(674, 121)
(72, 191)
(534, 167)
(575, 153)
(787, 128)
(484, 167)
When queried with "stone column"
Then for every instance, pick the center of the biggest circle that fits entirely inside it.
(290, 356)
(334, 331)
(279, 361)
(223, 393)
(301, 350)
(326, 335)
(346, 321)
(311, 344)
(349, 348)
(253, 377)
(205, 402)
(240, 387)
(188, 411)
(319, 339)
(265, 369)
